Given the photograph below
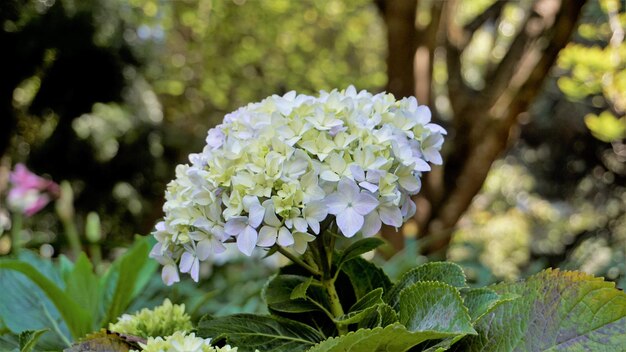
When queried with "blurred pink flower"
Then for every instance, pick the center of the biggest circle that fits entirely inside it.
(29, 193)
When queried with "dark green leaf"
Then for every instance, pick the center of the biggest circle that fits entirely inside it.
(434, 306)
(28, 339)
(355, 316)
(266, 333)
(300, 290)
(382, 316)
(365, 276)
(448, 273)
(126, 278)
(480, 301)
(277, 294)
(555, 311)
(78, 319)
(82, 286)
(369, 300)
(394, 338)
(359, 247)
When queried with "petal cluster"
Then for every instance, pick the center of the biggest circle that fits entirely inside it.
(274, 172)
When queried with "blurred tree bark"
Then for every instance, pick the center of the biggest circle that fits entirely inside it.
(484, 122)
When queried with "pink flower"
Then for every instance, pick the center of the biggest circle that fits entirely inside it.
(29, 193)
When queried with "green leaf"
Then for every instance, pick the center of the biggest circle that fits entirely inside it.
(363, 308)
(357, 248)
(369, 300)
(125, 279)
(278, 294)
(354, 317)
(78, 319)
(300, 290)
(480, 301)
(28, 339)
(264, 333)
(434, 306)
(555, 311)
(445, 272)
(383, 315)
(394, 338)
(82, 286)
(365, 276)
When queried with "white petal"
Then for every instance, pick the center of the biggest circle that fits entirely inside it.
(369, 186)
(267, 236)
(271, 218)
(348, 188)
(195, 270)
(257, 212)
(330, 176)
(316, 210)
(169, 274)
(186, 261)
(365, 203)
(408, 209)
(217, 246)
(336, 203)
(411, 183)
(391, 215)
(235, 225)
(314, 224)
(204, 249)
(249, 202)
(349, 222)
(420, 165)
(300, 224)
(372, 224)
(247, 240)
(357, 172)
(284, 237)
(300, 241)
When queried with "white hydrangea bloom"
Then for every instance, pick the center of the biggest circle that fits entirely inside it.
(182, 342)
(278, 171)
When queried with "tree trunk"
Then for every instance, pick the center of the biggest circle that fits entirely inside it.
(484, 122)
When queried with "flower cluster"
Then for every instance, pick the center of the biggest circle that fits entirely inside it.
(279, 171)
(29, 193)
(163, 320)
(182, 342)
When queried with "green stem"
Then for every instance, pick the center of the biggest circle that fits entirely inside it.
(335, 304)
(298, 261)
(16, 230)
(72, 238)
(96, 257)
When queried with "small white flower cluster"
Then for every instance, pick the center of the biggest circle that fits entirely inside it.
(182, 342)
(274, 170)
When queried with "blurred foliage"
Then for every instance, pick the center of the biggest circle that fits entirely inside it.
(111, 95)
(595, 66)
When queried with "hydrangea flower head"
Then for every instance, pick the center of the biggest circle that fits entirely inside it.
(182, 342)
(163, 320)
(278, 172)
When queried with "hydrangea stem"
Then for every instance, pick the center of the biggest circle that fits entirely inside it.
(335, 304)
(298, 261)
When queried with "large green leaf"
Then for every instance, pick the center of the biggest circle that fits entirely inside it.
(278, 294)
(357, 248)
(363, 308)
(126, 278)
(394, 338)
(448, 273)
(266, 333)
(555, 311)
(78, 319)
(82, 286)
(480, 301)
(383, 315)
(434, 306)
(365, 276)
